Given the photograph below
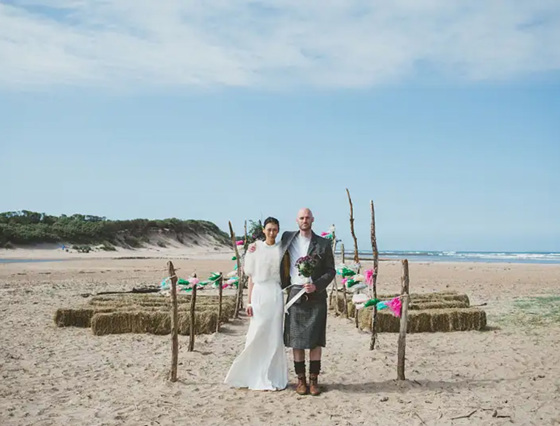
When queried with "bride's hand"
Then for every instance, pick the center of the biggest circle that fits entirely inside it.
(249, 310)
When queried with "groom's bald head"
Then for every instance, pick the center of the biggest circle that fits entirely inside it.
(304, 219)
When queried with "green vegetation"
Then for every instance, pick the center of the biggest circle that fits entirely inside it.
(26, 227)
(533, 311)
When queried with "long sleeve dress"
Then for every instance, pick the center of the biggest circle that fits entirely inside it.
(263, 365)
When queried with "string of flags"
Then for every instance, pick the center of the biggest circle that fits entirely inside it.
(186, 285)
(356, 282)
(329, 234)
(363, 301)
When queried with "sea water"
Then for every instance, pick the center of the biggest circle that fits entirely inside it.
(466, 256)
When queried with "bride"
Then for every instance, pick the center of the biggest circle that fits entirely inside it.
(262, 365)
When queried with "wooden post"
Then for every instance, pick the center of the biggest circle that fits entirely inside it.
(192, 331)
(245, 245)
(220, 283)
(239, 298)
(374, 284)
(404, 317)
(345, 310)
(343, 254)
(174, 323)
(356, 256)
(334, 288)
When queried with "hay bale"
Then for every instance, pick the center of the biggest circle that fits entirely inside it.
(438, 300)
(150, 300)
(429, 320)
(204, 323)
(76, 317)
(131, 322)
(150, 322)
(156, 308)
(432, 297)
(442, 304)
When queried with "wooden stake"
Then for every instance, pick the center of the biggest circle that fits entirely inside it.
(356, 256)
(374, 284)
(245, 245)
(334, 288)
(192, 330)
(241, 281)
(343, 254)
(220, 283)
(345, 309)
(174, 323)
(404, 317)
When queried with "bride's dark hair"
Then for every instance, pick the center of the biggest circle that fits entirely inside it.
(273, 220)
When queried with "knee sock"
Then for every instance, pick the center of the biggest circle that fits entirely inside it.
(299, 366)
(314, 367)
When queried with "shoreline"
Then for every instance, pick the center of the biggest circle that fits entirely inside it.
(46, 254)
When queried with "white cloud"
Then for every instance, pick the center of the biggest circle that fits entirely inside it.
(339, 43)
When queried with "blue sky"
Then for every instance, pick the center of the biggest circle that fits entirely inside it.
(447, 116)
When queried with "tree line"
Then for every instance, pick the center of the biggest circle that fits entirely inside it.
(27, 227)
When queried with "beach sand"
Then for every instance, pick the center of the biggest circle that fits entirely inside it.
(58, 376)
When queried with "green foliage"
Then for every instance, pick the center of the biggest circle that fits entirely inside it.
(26, 227)
(533, 311)
(82, 248)
(255, 231)
(108, 247)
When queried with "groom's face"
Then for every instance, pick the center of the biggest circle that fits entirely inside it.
(304, 219)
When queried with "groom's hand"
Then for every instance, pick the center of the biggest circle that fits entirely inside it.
(252, 247)
(309, 287)
(249, 311)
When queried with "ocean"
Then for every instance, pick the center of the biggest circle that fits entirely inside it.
(544, 257)
(466, 256)
(31, 260)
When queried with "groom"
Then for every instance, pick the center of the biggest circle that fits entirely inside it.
(306, 322)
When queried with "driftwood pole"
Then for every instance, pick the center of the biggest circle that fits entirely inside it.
(192, 330)
(374, 283)
(245, 239)
(345, 309)
(174, 322)
(356, 255)
(404, 316)
(342, 251)
(334, 288)
(220, 291)
(240, 281)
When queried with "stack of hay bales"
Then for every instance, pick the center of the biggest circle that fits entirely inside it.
(443, 311)
(140, 313)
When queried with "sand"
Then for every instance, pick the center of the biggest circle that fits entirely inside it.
(57, 376)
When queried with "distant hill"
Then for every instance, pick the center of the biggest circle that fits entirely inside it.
(27, 228)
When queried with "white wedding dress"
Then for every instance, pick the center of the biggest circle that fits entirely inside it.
(263, 365)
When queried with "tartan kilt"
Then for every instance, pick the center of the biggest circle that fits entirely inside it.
(305, 325)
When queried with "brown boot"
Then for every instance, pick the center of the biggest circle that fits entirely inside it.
(301, 388)
(313, 385)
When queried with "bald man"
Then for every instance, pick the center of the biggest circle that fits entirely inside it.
(306, 321)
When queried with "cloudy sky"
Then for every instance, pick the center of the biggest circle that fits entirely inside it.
(445, 113)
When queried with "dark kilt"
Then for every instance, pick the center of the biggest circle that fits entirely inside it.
(305, 326)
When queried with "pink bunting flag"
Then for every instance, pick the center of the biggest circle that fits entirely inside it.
(323, 234)
(239, 243)
(193, 281)
(344, 281)
(395, 305)
(368, 274)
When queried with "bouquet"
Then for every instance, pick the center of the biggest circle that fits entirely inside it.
(306, 266)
